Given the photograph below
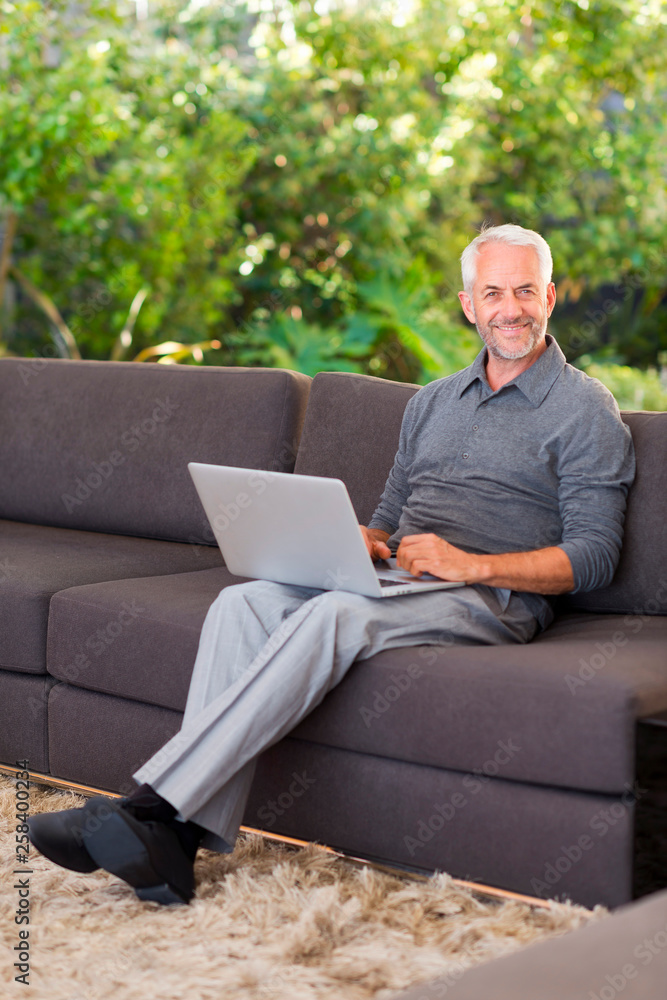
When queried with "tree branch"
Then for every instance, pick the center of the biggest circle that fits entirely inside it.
(49, 307)
(5, 254)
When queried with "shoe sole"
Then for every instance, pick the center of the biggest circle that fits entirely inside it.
(117, 848)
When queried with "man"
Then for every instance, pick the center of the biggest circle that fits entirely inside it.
(511, 476)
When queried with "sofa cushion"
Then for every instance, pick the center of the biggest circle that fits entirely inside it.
(640, 582)
(104, 446)
(37, 561)
(151, 659)
(23, 719)
(568, 701)
(118, 735)
(559, 711)
(351, 433)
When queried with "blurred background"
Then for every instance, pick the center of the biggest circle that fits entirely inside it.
(266, 182)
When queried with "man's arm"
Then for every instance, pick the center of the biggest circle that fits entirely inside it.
(397, 489)
(542, 571)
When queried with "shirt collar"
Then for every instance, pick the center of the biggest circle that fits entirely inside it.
(534, 382)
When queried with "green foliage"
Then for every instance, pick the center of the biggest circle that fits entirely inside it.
(49, 128)
(633, 389)
(297, 181)
(286, 342)
(409, 313)
(408, 130)
(121, 181)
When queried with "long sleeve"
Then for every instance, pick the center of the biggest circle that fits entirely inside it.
(397, 491)
(596, 469)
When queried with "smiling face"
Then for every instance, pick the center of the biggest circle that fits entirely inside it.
(510, 303)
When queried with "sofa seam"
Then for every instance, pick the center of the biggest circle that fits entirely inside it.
(121, 697)
(86, 604)
(451, 770)
(276, 447)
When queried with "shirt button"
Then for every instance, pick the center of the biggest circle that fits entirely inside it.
(475, 427)
(465, 454)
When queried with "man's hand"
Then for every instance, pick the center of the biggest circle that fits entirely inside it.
(432, 554)
(541, 571)
(376, 542)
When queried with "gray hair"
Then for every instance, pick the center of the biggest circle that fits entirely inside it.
(512, 235)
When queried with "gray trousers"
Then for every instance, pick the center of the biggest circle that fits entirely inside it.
(269, 653)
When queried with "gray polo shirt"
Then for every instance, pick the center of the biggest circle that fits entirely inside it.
(544, 460)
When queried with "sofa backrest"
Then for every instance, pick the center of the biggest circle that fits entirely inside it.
(351, 432)
(104, 446)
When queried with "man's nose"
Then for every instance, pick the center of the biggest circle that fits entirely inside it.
(512, 306)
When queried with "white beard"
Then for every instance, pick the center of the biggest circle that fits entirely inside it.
(535, 334)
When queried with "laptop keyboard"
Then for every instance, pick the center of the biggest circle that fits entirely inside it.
(389, 583)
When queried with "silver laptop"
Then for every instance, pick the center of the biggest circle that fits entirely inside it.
(296, 529)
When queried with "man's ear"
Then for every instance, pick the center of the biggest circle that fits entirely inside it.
(551, 298)
(466, 303)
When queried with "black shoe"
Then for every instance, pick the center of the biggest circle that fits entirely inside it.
(145, 804)
(147, 854)
(61, 836)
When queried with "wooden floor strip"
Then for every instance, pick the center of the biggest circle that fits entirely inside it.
(476, 887)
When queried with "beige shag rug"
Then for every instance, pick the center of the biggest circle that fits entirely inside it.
(268, 922)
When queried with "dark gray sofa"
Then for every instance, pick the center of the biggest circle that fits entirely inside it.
(514, 766)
